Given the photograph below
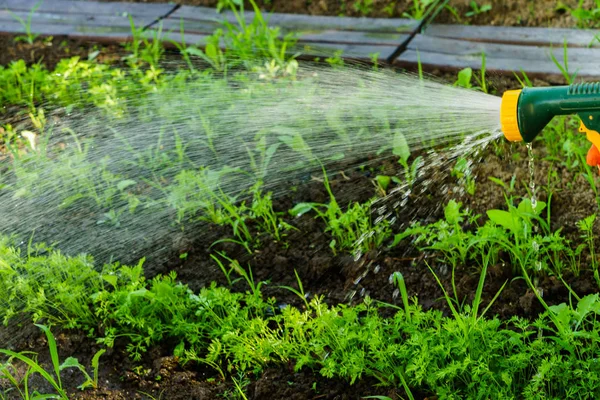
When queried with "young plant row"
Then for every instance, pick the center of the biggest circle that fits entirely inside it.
(464, 355)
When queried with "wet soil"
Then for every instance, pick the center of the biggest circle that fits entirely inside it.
(544, 13)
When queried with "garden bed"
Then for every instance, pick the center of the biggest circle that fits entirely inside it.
(337, 277)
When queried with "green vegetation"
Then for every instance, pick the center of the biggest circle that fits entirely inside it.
(464, 355)
(585, 15)
(20, 382)
(522, 233)
(477, 9)
(352, 230)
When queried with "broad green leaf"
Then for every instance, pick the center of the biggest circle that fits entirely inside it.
(211, 51)
(400, 146)
(302, 208)
(124, 184)
(70, 362)
(464, 78)
(562, 312)
(587, 305)
(111, 279)
(505, 219)
(195, 51)
(525, 207)
(383, 181)
(452, 212)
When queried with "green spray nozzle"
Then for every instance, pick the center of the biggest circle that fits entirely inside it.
(524, 113)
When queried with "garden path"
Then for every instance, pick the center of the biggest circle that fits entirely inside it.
(400, 41)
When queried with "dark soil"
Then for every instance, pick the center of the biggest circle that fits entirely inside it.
(50, 50)
(543, 13)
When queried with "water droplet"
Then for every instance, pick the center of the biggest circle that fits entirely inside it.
(531, 175)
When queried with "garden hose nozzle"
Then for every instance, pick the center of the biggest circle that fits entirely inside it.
(524, 113)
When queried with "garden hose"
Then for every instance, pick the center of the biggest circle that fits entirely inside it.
(524, 113)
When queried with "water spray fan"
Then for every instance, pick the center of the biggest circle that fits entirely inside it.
(524, 113)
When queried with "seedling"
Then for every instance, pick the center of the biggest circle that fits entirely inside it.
(397, 280)
(466, 75)
(477, 9)
(586, 16)
(586, 226)
(462, 171)
(9, 372)
(29, 37)
(364, 7)
(564, 67)
(351, 230)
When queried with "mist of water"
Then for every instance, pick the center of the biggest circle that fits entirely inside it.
(132, 184)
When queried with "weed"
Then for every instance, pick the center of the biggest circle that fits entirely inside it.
(462, 171)
(586, 16)
(351, 230)
(586, 226)
(363, 7)
(477, 9)
(29, 37)
(564, 67)
(9, 372)
(421, 8)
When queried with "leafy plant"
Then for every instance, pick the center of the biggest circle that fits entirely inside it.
(364, 7)
(513, 232)
(462, 171)
(464, 354)
(401, 149)
(465, 76)
(585, 15)
(9, 372)
(352, 230)
(564, 67)
(421, 8)
(586, 226)
(476, 9)
(29, 37)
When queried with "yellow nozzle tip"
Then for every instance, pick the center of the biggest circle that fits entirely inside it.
(508, 116)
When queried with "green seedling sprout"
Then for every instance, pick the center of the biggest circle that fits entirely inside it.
(398, 280)
(52, 379)
(29, 37)
(586, 226)
(298, 292)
